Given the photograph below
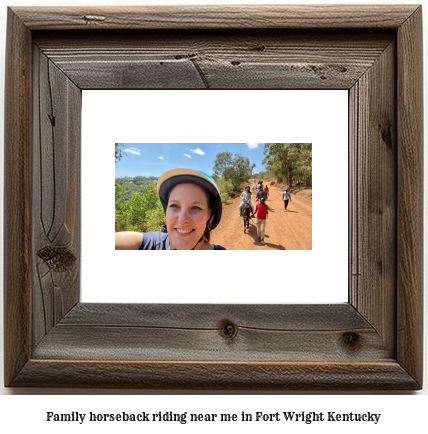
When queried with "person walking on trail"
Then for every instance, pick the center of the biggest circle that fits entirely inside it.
(254, 185)
(286, 196)
(262, 214)
(246, 197)
(266, 189)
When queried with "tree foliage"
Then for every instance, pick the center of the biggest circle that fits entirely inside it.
(292, 161)
(143, 211)
(137, 206)
(118, 152)
(133, 185)
(233, 169)
(263, 175)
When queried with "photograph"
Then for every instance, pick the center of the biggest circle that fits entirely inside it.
(224, 192)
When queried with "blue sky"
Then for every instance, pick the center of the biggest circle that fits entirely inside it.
(152, 159)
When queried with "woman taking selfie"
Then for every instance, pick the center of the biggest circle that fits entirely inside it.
(192, 204)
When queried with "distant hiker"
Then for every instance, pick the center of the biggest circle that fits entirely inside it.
(262, 214)
(286, 196)
(254, 185)
(246, 197)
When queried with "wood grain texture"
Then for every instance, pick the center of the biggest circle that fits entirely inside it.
(199, 332)
(372, 342)
(56, 194)
(216, 17)
(386, 375)
(373, 178)
(216, 60)
(341, 317)
(17, 199)
(410, 202)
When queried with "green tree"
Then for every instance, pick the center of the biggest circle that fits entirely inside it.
(222, 165)
(142, 212)
(138, 180)
(304, 164)
(234, 169)
(118, 194)
(118, 152)
(263, 175)
(289, 160)
(225, 188)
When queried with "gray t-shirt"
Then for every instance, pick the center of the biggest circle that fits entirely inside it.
(155, 241)
(160, 241)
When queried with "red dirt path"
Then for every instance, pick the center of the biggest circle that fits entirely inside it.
(285, 230)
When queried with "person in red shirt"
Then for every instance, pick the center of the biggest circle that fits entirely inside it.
(262, 214)
(266, 189)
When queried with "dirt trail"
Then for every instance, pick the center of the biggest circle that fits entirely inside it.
(285, 230)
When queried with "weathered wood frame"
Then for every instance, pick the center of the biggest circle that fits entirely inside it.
(372, 342)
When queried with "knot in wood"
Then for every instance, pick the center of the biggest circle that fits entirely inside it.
(58, 259)
(386, 134)
(351, 340)
(94, 18)
(227, 329)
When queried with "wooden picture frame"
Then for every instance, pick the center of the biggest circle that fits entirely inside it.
(372, 342)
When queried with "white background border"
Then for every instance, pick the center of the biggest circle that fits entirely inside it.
(226, 116)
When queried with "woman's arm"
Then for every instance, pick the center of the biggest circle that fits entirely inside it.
(128, 240)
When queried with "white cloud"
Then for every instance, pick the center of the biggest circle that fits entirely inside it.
(253, 145)
(197, 151)
(160, 158)
(134, 151)
(188, 156)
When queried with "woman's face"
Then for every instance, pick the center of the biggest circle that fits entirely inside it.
(187, 213)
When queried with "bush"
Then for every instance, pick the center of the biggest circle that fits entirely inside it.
(225, 189)
(141, 213)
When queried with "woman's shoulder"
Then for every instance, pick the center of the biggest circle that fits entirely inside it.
(217, 247)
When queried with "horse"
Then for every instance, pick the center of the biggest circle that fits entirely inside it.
(261, 193)
(246, 215)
